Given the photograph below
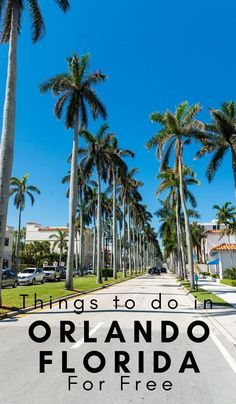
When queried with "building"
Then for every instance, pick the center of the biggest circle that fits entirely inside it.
(37, 232)
(8, 247)
(218, 252)
(222, 257)
(214, 238)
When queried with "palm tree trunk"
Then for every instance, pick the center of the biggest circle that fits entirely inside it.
(81, 263)
(76, 248)
(134, 250)
(99, 229)
(8, 131)
(120, 251)
(60, 255)
(18, 241)
(73, 198)
(124, 238)
(178, 228)
(114, 227)
(137, 250)
(234, 167)
(186, 220)
(94, 242)
(129, 238)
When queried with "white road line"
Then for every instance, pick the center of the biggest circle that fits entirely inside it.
(81, 341)
(224, 352)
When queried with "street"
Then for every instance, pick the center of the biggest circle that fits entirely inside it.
(21, 381)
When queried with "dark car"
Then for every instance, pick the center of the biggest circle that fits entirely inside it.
(163, 269)
(9, 278)
(63, 272)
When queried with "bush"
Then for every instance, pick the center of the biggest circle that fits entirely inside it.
(107, 273)
(230, 273)
(215, 276)
(206, 273)
(228, 282)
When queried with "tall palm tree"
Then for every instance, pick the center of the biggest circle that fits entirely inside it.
(127, 188)
(220, 138)
(20, 189)
(178, 129)
(75, 91)
(61, 239)
(170, 181)
(10, 20)
(99, 155)
(115, 173)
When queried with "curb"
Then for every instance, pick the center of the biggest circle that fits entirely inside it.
(210, 316)
(46, 304)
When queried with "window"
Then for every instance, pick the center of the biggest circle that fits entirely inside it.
(214, 227)
(6, 242)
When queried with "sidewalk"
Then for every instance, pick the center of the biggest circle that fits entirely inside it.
(228, 293)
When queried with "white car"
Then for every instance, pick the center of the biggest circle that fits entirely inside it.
(30, 276)
(52, 273)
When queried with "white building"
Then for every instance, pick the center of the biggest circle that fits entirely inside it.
(8, 247)
(218, 251)
(214, 237)
(37, 232)
(222, 257)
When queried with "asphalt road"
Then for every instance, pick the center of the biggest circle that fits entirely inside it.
(21, 382)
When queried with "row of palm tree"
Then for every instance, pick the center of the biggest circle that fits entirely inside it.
(177, 130)
(102, 159)
(11, 14)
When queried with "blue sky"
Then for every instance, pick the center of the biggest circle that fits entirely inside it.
(156, 54)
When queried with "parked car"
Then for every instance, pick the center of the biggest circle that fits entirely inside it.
(63, 272)
(9, 278)
(30, 276)
(52, 273)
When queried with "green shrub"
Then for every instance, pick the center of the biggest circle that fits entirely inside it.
(230, 273)
(215, 276)
(107, 273)
(205, 273)
(228, 282)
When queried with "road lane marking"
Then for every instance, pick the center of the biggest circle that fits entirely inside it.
(224, 352)
(81, 341)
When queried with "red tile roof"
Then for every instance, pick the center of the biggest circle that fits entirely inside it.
(224, 247)
(214, 231)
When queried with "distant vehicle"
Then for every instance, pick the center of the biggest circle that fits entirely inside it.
(30, 276)
(52, 273)
(163, 269)
(9, 278)
(154, 271)
(90, 271)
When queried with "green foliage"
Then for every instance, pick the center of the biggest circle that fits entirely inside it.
(229, 282)
(230, 273)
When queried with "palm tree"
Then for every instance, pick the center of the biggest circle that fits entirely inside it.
(220, 138)
(115, 174)
(10, 19)
(99, 155)
(199, 234)
(178, 129)
(61, 239)
(20, 189)
(127, 188)
(75, 90)
(170, 181)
